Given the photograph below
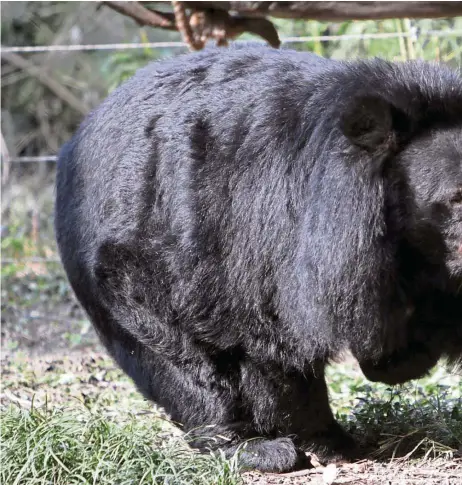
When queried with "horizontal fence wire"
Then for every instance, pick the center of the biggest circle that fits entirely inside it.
(29, 260)
(413, 33)
(44, 158)
(92, 47)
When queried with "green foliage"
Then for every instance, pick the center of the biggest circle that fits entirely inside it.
(420, 43)
(86, 424)
(122, 65)
(13, 245)
(419, 418)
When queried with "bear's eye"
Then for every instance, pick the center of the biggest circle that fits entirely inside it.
(457, 198)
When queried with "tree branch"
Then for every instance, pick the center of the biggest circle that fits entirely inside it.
(5, 160)
(143, 15)
(223, 21)
(337, 11)
(53, 85)
(201, 25)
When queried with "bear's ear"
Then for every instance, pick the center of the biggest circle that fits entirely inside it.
(370, 122)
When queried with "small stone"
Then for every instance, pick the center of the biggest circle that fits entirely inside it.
(329, 474)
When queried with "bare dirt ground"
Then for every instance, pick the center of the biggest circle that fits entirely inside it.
(368, 473)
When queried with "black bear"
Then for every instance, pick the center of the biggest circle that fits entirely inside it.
(232, 220)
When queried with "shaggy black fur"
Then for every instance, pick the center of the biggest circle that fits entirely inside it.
(231, 220)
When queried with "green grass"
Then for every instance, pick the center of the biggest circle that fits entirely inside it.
(81, 421)
(82, 447)
(78, 419)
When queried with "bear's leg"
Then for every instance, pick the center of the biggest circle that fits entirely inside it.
(202, 392)
(225, 400)
(283, 415)
(295, 405)
(303, 403)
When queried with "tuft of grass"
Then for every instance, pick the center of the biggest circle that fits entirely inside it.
(77, 446)
(422, 419)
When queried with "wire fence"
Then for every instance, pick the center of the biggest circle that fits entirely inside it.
(412, 34)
